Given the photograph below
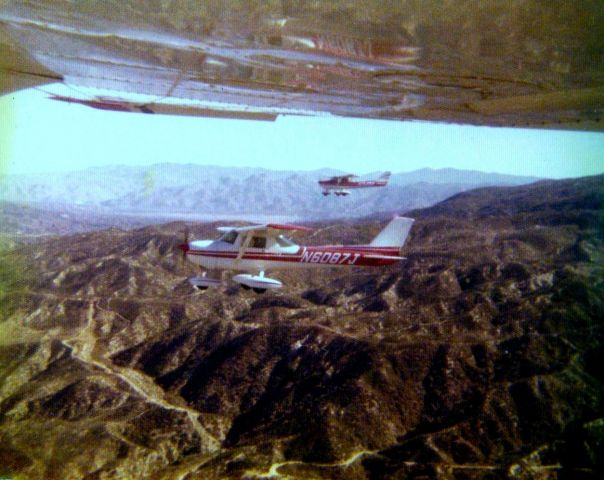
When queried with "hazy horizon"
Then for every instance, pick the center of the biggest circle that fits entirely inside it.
(268, 169)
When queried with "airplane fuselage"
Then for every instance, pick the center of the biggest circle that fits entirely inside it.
(334, 185)
(342, 185)
(214, 257)
(258, 249)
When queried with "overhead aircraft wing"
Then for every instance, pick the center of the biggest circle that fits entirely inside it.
(525, 64)
(125, 104)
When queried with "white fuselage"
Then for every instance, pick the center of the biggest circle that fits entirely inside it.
(219, 255)
(251, 250)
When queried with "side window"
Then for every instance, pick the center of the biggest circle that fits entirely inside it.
(283, 241)
(258, 242)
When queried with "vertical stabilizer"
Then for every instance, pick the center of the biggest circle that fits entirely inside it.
(394, 234)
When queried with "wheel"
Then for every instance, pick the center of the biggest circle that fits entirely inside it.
(325, 194)
(259, 290)
(197, 287)
(245, 287)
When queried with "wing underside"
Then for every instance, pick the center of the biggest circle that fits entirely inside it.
(463, 62)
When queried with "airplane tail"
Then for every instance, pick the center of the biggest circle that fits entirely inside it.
(384, 176)
(394, 234)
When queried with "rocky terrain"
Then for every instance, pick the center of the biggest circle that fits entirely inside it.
(478, 357)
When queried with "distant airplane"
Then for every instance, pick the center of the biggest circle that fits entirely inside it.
(341, 184)
(260, 248)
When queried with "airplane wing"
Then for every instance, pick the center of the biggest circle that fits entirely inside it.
(462, 62)
(270, 227)
(183, 108)
(341, 178)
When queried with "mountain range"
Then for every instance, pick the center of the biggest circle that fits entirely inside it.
(479, 357)
(211, 191)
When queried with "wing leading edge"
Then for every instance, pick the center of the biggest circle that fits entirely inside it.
(265, 228)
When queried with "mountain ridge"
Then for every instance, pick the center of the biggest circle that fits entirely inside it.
(174, 188)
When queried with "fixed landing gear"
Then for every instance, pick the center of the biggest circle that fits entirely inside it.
(203, 282)
(258, 283)
(255, 289)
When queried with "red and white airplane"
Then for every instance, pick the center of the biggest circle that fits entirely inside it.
(341, 185)
(259, 248)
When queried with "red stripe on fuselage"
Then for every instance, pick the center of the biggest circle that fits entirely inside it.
(352, 184)
(327, 255)
(359, 249)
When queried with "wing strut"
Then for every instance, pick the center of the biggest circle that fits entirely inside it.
(244, 243)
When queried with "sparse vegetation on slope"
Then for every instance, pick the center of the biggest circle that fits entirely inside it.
(478, 357)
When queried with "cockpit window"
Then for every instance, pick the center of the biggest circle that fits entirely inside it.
(258, 242)
(229, 237)
(283, 241)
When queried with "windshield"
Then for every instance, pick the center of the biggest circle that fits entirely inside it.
(229, 237)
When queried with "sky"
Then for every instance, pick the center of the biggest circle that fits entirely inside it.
(48, 136)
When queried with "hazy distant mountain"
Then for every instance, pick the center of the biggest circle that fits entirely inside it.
(206, 190)
(453, 176)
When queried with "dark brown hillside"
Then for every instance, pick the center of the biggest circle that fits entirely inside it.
(550, 202)
(478, 357)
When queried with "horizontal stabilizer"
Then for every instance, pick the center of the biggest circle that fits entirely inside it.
(384, 257)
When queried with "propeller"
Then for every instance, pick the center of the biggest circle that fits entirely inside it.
(184, 247)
